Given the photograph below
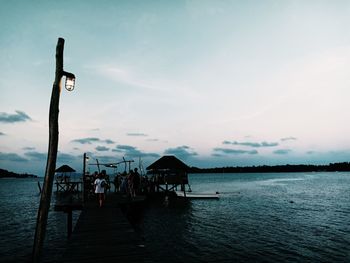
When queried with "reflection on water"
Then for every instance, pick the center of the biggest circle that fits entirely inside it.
(169, 225)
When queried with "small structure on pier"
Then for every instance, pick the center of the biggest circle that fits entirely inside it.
(65, 172)
(168, 173)
(65, 169)
(63, 182)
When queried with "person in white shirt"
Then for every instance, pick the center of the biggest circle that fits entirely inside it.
(100, 184)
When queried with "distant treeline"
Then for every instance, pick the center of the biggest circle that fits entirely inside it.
(5, 173)
(332, 167)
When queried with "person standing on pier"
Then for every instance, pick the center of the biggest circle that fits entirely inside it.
(100, 184)
(136, 183)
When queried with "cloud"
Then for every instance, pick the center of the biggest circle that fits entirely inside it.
(20, 116)
(131, 151)
(86, 140)
(2, 134)
(252, 144)
(282, 151)
(269, 144)
(102, 148)
(12, 157)
(66, 158)
(91, 140)
(152, 140)
(183, 152)
(310, 152)
(121, 75)
(28, 148)
(125, 148)
(288, 139)
(33, 155)
(61, 157)
(233, 151)
(136, 134)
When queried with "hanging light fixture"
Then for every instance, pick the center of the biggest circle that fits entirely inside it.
(70, 80)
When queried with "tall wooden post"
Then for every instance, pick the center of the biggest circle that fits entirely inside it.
(51, 157)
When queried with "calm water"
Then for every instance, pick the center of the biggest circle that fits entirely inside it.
(295, 217)
(302, 217)
(18, 210)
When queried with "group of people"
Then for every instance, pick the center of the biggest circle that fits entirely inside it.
(129, 184)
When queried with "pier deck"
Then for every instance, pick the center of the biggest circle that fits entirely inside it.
(105, 234)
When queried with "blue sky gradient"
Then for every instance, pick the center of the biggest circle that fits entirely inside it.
(216, 83)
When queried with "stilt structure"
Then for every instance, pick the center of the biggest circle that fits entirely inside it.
(168, 173)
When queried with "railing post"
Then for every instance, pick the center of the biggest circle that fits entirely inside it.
(84, 179)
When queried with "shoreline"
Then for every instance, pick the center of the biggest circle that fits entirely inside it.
(287, 168)
(7, 174)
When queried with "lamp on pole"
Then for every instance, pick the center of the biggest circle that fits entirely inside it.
(45, 198)
(70, 80)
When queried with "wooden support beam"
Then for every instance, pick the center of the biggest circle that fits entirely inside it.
(84, 179)
(39, 187)
(69, 222)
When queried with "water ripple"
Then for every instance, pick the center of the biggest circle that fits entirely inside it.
(259, 218)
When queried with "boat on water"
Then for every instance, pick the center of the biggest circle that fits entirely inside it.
(193, 195)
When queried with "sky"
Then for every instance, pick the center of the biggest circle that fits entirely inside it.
(215, 83)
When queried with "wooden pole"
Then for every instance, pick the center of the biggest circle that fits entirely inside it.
(51, 157)
(39, 187)
(98, 166)
(84, 179)
(69, 222)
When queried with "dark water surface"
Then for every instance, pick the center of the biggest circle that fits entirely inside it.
(19, 202)
(285, 217)
(295, 217)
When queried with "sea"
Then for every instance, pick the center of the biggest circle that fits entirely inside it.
(267, 217)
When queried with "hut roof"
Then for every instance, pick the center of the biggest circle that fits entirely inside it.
(65, 169)
(168, 162)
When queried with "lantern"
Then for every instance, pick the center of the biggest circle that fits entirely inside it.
(70, 81)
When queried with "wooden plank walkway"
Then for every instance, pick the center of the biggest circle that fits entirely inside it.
(105, 235)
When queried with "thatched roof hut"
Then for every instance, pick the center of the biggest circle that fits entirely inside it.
(65, 169)
(168, 162)
(169, 170)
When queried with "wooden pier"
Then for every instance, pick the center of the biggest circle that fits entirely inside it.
(104, 234)
(114, 233)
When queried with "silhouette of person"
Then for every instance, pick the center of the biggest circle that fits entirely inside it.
(136, 182)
